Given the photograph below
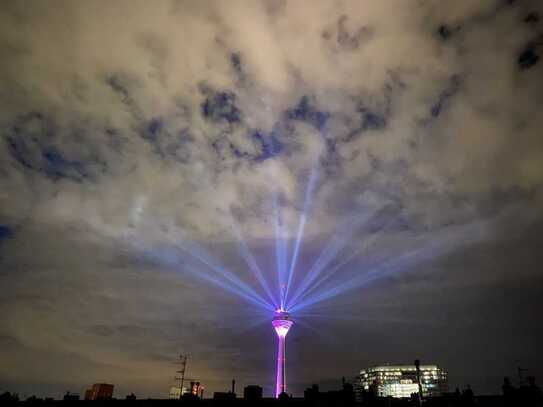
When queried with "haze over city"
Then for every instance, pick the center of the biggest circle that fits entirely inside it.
(175, 173)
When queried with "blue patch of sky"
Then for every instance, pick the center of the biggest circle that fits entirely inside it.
(31, 142)
(371, 120)
(306, 111)
(221, 107)
(166, 143)
(57, 166)
(371, 117)
(154, 126)
(267, 146)
(270, 145)
(5, 232)
(225, 148)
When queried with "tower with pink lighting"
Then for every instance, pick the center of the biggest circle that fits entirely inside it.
(281, 323)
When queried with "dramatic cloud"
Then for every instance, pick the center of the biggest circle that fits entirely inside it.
(159, 162)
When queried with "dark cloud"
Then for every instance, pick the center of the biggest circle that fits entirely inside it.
(531, 18)
(235, 59)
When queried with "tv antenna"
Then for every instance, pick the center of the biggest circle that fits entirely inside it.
(180, 374)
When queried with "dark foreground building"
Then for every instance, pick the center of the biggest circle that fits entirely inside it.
(528, 395)
(99, 391)
(252, 393)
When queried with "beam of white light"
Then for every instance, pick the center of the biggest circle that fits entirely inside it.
(303, 217)
(381, 271)
(280, 255)
(171, 258)
(251, 262)
(450, 239)
(332, 271)
(325, 257)
(200, 253)
(231, 289)
(334, 246)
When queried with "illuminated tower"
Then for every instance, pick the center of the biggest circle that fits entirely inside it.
(281, 323)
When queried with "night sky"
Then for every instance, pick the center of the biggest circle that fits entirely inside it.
(159, 160)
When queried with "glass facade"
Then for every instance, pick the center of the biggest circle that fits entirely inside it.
(400, 381)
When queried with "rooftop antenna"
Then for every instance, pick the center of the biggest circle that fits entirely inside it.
(180, 376)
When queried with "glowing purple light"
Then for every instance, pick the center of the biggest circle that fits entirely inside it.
(281, 323)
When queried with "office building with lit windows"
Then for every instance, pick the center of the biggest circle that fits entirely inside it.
(400, 381)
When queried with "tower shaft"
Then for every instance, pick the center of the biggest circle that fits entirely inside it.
(281, 379)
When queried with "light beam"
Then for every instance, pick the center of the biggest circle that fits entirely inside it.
(303, 217)
(251, 262)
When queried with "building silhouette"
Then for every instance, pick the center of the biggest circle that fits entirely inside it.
(70, 397)
(527, 394)
(252, 393)
(99, 391)
(343, 397)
